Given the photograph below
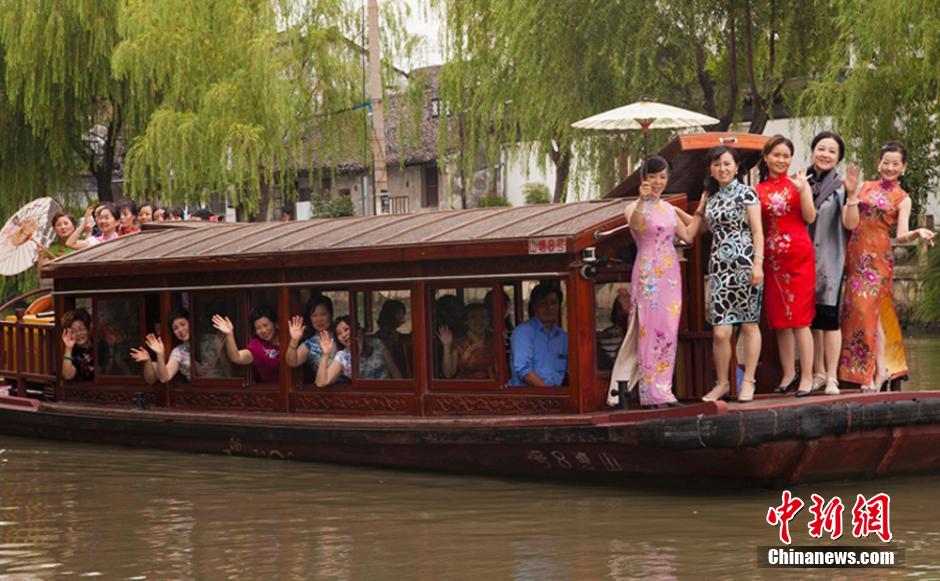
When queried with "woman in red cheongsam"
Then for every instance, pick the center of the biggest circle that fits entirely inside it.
(789, 266)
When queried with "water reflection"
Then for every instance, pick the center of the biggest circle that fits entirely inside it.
(71, 510)
(923, 360)
(76, 510)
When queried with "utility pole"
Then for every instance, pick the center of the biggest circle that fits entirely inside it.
(377, 113)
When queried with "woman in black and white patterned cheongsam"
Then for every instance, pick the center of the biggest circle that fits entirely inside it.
(735, 270)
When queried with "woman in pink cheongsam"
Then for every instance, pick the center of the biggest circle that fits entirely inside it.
(648, 353)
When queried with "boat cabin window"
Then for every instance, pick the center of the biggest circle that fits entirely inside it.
(319, 308)
(464, 341)
(611, 316)
(384, 318)
(78, 343)
(263, 335)
(209, 344)
(539, 346)
(117, 326)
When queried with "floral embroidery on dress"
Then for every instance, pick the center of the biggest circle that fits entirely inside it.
(857, 353)
(778, 204)
(663, 359)
(865, 281)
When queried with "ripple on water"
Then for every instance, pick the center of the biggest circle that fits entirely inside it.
(75, 510)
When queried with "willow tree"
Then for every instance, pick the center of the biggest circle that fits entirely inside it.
(240, 85)
(61, 109)
(882, 82)
(521, 71)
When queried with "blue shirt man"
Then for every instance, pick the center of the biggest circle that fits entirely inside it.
(540, 346)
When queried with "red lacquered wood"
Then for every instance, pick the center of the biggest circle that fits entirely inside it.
(284, 372)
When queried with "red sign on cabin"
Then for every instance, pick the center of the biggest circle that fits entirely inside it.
(553, 245)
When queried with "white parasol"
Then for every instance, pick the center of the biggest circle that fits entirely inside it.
(27, 233)
(645, 115)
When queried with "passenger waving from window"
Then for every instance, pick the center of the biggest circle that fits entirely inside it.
(262, 351)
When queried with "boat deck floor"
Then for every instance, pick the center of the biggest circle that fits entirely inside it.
(761, 403)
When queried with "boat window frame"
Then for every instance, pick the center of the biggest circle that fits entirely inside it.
(520, 316)
(71, 304)
(445, 385)
(609, 276)
(244, 380)
(298, 374)
(355, 383)
(137, 380)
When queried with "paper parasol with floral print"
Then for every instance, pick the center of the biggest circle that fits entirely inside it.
(27, 234)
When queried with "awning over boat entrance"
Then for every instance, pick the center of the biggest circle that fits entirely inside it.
(525, 231)
(686, 156)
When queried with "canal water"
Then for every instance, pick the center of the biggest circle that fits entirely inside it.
(73, 510)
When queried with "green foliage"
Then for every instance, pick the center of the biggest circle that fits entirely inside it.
(929, 308)
(520, 72)
(237, 93)
(211, 97)
(883, 79)
(12, 286)
(536, 193)
(493, 200)
(55, 86)
(332, 206)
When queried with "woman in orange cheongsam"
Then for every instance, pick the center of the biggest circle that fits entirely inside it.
(872, 348)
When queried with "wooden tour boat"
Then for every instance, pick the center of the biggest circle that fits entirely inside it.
(423, 419)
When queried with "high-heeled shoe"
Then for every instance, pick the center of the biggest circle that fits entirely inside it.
(832, 386)
(745, 396)
(720, 391)
(819, 380)
(885, 381)
(788, 387)
(812, 387)
(883, 384)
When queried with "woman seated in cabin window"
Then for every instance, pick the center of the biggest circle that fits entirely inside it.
(333, 365)
(180, 359)
(610, 338)
(262, 351)
(319, 313)
(78, 359)
(375, 362)
(471, 356)
(391, 317)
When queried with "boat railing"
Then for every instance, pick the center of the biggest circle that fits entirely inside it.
(27, 352)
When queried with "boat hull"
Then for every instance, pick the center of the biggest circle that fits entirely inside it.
(759, 448)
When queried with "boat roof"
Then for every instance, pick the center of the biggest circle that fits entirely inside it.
(686, 156)
(187, 246)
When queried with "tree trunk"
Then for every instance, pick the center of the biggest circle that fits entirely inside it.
(759, 107)
(103, 168)
(562, 160)
(103, 173)
(728, 117)
(264, 202)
